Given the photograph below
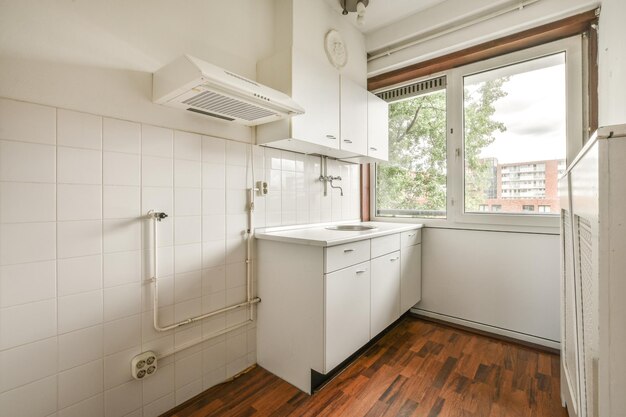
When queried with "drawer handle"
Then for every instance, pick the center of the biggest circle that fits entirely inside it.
(347, 140)
(331, 137)
(411, 235)
(394, 259)
(373, 149)
(361, 271)
(348, 250)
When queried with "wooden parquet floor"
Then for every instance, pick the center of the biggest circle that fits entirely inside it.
(417, 369)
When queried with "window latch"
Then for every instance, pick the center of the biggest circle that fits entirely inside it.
(457, 152)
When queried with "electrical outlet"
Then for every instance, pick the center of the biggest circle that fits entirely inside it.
(143, 365)
(262, 188)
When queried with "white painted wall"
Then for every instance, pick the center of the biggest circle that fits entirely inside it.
(454, 12)
(99, 56)
(612, 63)
(505, 283)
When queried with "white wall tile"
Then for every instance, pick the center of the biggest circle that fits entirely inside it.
(27, 202)
(213, 176)
(213, 201)
(236, 177)
(157, 141)
(27, 122)
(79, 202)
(123, 399)
(122, 301)
(187, 173)
(214, 357)
(236, 225)
(213, 150)
(121, 136)
(187, 286)
(288, 161)
(80, 383)
(122, 334)
(92, 407)
(80, 274)
(121, 202)
(117, 367)
(236, 346)
(121, 168)
(79, 238)
(157, 172)
(187, 258)
(27, 242)
(157, 198)
(79, 130)
(187, 230)
(122, 235)
(26, 283)
(236, 201)
(27, 363)
(28, 162)
(213, 253)
(27, 323)
(213, 227)
(187, 146)
(188, 201)
(122, 268)
(19, 402)
(160, 406)
(159, 385)
(79, 166)
(213, 280)
(79, 347)
(236, 153)
(188, 369)
(79, 311)
(235, 275)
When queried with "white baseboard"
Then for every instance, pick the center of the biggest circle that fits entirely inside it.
(491, 329)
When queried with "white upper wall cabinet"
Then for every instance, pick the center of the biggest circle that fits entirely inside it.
(377, 127)
(353, 117)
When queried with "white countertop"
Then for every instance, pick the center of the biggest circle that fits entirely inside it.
(318, 235)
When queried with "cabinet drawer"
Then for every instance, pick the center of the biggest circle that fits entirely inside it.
(412, 237)
(342, 256)
(385, 244)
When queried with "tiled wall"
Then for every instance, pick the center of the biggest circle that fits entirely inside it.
(75, 252)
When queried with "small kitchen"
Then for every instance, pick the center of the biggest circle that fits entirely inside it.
(329, 207)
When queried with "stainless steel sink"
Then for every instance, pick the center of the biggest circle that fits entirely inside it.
(351, 227)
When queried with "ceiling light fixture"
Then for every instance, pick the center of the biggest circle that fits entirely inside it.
(355, 6)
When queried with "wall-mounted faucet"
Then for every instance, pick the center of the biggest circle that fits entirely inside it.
(330, 179)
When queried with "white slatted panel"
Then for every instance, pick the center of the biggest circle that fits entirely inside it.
(571, 334)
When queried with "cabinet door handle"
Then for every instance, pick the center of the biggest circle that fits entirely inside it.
(394, 259)
(411, 235)
(373, 149)
(348, 250)
(361, 271)
(331, 137)
(347, 140)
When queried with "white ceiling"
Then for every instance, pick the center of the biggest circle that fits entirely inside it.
(384, 12)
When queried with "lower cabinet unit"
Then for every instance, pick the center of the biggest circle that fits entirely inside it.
(322, 301)
(347, 318)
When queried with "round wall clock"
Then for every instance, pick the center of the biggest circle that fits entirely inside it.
(336, 50)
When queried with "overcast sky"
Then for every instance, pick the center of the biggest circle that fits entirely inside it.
(534, 114)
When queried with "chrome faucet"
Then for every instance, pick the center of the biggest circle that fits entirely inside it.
(330, 179)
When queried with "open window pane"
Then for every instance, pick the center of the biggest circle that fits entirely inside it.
(413, 182)
(515, 137)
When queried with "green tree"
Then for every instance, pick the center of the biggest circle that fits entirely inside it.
(415, 176)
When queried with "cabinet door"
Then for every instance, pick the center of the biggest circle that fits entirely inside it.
(377, 127)
(315, 86)
(410, 277)
(347, 308)
(385, 292)
(353, 117)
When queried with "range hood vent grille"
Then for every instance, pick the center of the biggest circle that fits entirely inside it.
(216, 103)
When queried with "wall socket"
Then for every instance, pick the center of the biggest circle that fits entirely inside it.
(143, 365)
(262, 188)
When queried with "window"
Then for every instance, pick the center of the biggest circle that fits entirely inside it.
(514, 136)
(488, 146)
(413, 182)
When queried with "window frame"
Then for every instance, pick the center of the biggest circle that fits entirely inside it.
(456, 216)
